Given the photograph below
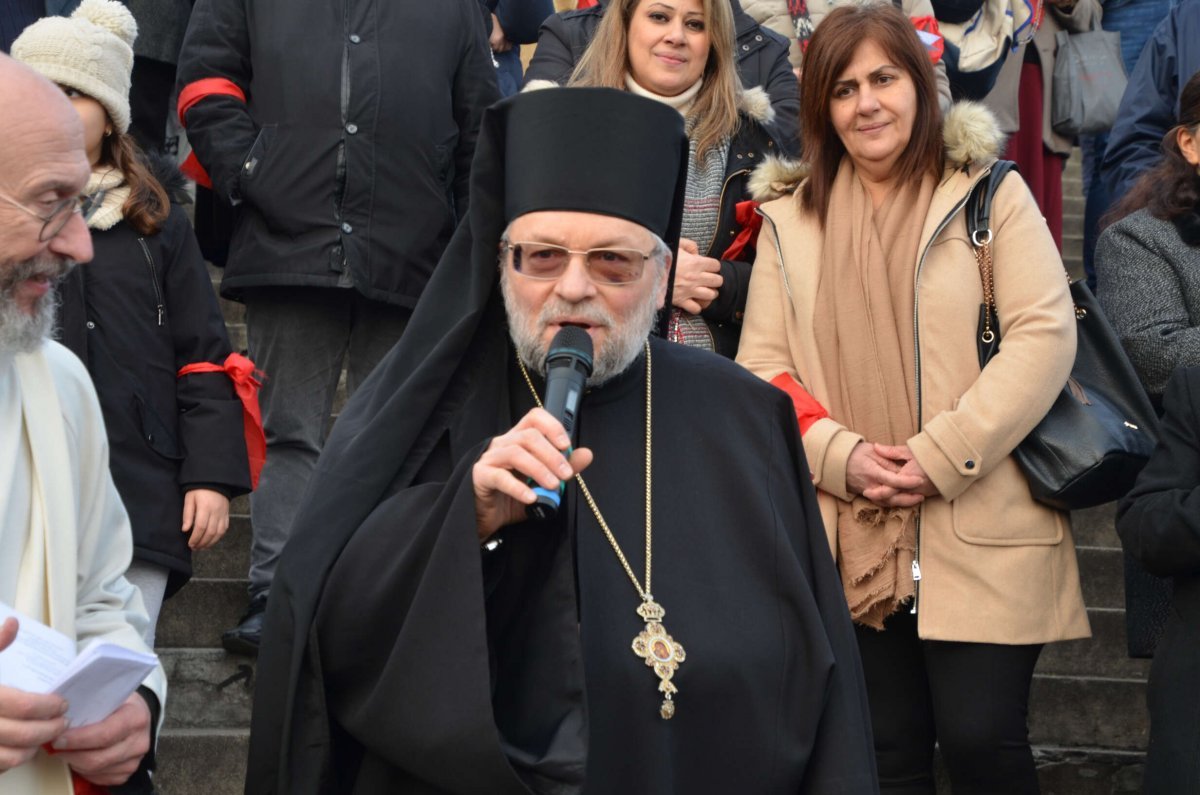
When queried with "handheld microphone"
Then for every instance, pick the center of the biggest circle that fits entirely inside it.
(568, 365)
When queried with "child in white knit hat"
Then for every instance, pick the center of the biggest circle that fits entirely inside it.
(144, 318)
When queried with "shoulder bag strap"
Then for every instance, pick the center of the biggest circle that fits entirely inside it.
(979, 214)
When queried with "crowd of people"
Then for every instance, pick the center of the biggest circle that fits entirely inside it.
(793, 549)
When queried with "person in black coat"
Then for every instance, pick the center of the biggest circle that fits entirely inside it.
(342, 135)
(1159, 523)
(142, 311)
(762, 60)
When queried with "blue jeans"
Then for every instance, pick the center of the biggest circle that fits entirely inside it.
(300, 337)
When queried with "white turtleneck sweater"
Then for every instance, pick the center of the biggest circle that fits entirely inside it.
(681, 102)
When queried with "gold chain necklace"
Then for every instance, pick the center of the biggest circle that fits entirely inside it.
(652, 644)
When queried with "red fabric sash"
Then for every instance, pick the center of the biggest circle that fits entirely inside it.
(586, 3)
(189, 96)
(750, 222)
(246, 384)
(85, 787)
(808, 410)
(930, 25)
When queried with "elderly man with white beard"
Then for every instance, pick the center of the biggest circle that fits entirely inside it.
(65, 541)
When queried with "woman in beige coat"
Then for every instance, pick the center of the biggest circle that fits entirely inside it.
(864, 306)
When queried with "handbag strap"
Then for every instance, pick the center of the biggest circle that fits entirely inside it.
(979, 229)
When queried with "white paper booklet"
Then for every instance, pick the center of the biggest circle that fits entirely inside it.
(94, 683)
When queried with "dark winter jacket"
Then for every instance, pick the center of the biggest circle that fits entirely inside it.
(348, 159)
(750, 147)
(762, 60)
(1150, 105)
(138, 312)
(1159, 524)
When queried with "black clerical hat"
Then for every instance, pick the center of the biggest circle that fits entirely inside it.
(596, 150)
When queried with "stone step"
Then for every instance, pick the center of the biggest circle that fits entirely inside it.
(1088, 711)
(1088, 771)
(197, 615)
(230, 558)
(233, 311)
(1096, 527)
(202, 761)
(209, 689)
(1104, 654)
(1102, 574)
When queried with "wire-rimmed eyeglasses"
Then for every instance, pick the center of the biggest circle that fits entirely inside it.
(59, 215)
(546, 261)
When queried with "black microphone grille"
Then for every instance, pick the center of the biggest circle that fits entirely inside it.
(572, 341)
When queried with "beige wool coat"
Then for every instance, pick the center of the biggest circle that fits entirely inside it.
(997, 567)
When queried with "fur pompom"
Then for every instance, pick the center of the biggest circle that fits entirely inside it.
(972, 134)
(775, 177)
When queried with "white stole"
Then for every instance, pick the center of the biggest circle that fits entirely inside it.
(46, 580)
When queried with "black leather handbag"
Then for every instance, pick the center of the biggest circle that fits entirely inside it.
(1101, 430)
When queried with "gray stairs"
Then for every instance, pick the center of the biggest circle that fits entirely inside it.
(1087, 711)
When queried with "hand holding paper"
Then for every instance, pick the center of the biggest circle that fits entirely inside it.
(27, 720)
(107, 753)
(94, 683)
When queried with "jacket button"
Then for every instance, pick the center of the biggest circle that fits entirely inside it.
(352, 128)
(150, 438)
(347, 228)
(746, 47)
(90, 325)
(970, 464)
(758, 37)
(355, 38)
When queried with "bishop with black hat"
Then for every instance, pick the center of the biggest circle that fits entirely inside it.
(677, 627)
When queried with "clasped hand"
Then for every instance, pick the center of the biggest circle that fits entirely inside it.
(534, 449)
(106, 753)
(888, 475)
(697, 279)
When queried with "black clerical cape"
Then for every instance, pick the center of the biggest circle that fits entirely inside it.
(451, 670)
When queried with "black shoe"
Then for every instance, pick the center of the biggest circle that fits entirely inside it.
(245, 637)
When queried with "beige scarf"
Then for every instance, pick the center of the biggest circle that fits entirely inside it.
(106, 185)
(864, 333)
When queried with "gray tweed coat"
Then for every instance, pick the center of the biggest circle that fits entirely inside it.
(1149, 285)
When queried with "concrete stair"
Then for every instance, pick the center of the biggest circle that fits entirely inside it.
(1087, 711)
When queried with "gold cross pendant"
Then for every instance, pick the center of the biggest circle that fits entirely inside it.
(660, 651)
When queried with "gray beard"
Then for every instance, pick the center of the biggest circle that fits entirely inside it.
(21, 332)
(622, 344)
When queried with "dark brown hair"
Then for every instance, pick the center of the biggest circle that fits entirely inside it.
(830, 51)
(1171, 189)
(148, 205)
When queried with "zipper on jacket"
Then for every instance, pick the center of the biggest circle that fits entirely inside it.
(787, 286)
(721, 203)
(941, 227)
(158, 296)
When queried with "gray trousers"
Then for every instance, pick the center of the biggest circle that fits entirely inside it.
(300, 337)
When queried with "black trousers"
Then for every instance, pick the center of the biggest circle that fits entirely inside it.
(972, 699)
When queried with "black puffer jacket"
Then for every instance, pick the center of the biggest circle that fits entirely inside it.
(348, 161)
(762, 60)
(751, 146)
(138, 312)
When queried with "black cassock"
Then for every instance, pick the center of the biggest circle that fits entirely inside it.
(449, 670)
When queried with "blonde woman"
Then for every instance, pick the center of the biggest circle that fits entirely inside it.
(681, 53)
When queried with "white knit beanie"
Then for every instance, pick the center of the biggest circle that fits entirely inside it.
(90, 51)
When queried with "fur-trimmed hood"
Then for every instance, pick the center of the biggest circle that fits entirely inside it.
(754, 102)
(970, 132)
